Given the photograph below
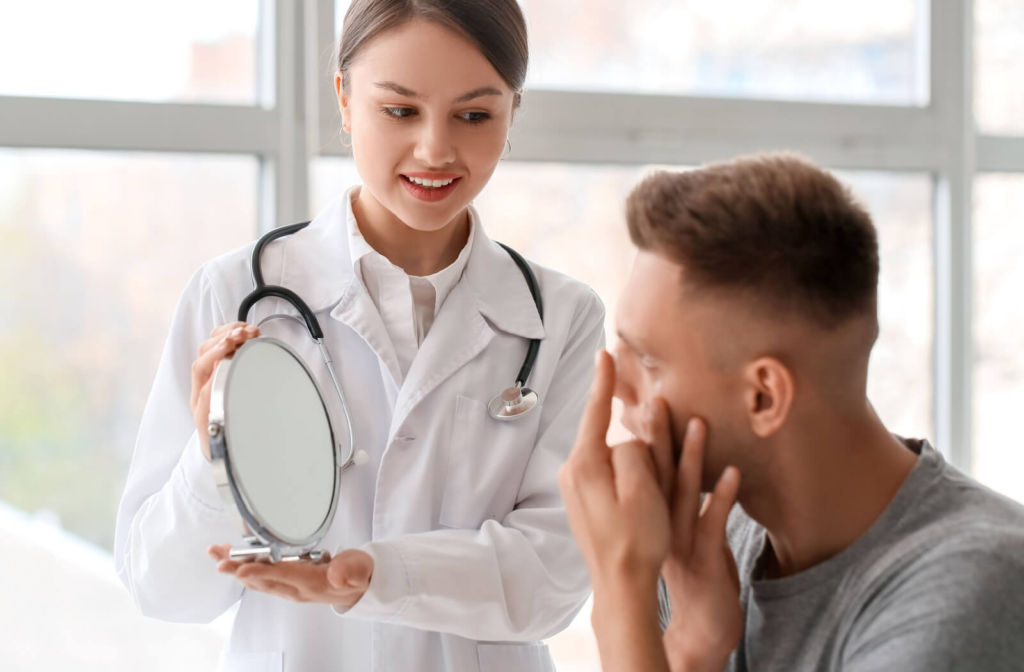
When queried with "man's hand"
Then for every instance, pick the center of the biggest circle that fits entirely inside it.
(620, 517)
(340, 580)
(616, 507)
(700, 572)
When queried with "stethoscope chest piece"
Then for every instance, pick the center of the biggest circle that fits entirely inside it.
(512, 403)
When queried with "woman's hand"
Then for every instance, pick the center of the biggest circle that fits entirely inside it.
(223, 343)
(700, 572)
(340, 580)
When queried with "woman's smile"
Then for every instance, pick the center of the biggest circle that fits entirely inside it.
(430, 187)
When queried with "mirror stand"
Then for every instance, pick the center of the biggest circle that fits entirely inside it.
(273, 554)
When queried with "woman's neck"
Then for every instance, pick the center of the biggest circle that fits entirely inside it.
(416, 252)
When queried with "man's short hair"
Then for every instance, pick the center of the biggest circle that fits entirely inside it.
(773, 228)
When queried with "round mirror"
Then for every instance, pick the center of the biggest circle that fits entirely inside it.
(279, 443)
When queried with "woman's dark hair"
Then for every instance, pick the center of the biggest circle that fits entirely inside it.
(496, 27)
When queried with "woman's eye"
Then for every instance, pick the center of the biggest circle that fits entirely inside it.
(475, 117)
(398, 112)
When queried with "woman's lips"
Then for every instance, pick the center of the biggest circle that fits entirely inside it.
(429, 194)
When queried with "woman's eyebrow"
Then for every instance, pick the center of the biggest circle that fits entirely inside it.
(397, 88)
(478, 93)
(466, 97)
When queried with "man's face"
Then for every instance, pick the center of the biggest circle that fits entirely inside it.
(673, 344)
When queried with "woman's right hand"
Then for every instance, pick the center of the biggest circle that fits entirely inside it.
(224, 342)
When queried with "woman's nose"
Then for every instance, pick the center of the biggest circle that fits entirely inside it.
(435, 147)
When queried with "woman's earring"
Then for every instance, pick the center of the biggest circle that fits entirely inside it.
(508, 143)
(343, 132)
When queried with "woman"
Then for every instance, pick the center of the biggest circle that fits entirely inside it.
(457, 553)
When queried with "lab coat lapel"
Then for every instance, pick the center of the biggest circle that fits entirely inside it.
(458, 335)
(316, 263)
(492, 291)
(356, 310)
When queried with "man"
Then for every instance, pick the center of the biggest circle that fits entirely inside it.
(744, 337)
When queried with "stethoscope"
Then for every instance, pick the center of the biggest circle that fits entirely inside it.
(511, 403)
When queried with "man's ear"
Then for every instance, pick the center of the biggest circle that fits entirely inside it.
(768, 391)
(339, 90)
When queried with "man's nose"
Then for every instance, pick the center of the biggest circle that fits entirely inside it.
(624, 387)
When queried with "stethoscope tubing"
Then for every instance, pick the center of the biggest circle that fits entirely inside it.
(262, 290)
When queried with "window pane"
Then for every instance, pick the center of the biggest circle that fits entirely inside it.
(788, 49)
(570, 203)
(95, 249)
(998, 333)
(999, 66)
(186, 51)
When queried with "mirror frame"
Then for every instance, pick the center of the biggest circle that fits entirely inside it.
(232, 494)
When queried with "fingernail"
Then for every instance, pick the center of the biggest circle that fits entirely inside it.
(236, 332)
(649, 411)
(691, 428)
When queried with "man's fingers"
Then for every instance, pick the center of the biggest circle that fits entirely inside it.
(587, 474)
(597, 415)
(712, 522)
(657, 427)
(634, 469)
(686, 493)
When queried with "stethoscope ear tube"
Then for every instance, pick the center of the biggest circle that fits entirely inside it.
(263, 290)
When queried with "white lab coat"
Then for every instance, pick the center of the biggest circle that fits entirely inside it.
(474, 559)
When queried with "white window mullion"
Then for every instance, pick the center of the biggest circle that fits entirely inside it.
(289, 166)
(953, 100)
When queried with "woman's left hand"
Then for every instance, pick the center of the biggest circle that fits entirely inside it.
(340, 580)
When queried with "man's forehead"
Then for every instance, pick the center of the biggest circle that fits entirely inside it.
(652, 291)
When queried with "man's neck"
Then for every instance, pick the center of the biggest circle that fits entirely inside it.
(416, 252)
(836, 480)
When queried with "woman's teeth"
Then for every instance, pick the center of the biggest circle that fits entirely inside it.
(430, 184)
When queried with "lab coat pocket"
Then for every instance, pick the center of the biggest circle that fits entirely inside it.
(253, 662)
(496, 657)
(486, 464)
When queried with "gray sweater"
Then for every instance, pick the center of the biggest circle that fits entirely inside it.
(937, 583)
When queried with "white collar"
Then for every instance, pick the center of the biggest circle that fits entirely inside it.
(316, 263)
(443, 281)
